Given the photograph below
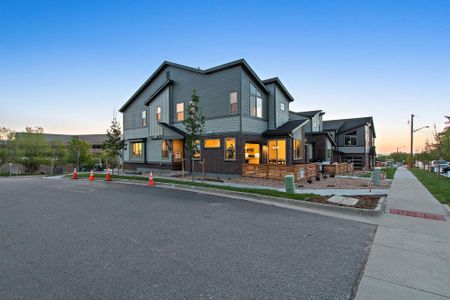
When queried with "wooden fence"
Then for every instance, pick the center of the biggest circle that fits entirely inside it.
(277, 172)
(338, 169)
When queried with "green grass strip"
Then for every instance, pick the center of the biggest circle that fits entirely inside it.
(264, 192)
(438, 186)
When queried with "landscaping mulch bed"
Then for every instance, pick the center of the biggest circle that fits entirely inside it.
(367, 202)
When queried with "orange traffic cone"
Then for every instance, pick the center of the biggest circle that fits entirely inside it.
(75, 175)
(91, 176)
(151, 182)
(108, 175)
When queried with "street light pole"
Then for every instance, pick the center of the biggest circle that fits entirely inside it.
(412, 142)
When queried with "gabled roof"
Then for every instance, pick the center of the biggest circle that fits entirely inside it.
(172, 128)
(309, 114)
(326, 133)
(158, 91)
(285, 129)
(239, 62)
(278, 82)
(344, 125)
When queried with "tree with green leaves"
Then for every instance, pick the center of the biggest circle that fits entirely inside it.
(194, 125)
(58, 154)
(32, 149)
(6, 149)
(114, 143)
(79, 153)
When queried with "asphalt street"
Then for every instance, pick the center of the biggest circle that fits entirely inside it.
(62, 239)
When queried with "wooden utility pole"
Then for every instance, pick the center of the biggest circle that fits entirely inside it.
(412, 142)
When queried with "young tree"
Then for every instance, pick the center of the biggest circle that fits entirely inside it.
(58, 154)
(79, 153)
(114, 143)
(32, 149)
(194, 125)
(6, 138)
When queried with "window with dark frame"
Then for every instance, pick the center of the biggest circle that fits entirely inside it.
(144, 118)
(158, 113)
(136, 150)
(230, 149)
(298, 149)
(350, 139)
(233, 102)
(180, 111)
(164, 149)
(255, 102)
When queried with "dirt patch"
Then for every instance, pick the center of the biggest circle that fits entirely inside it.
(367, 202)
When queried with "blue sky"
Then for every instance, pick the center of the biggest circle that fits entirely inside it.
(66, 65)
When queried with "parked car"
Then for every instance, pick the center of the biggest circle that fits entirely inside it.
(443, 165)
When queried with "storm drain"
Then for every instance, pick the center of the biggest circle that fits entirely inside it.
(417, 214)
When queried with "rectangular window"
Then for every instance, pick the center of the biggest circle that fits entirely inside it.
(298, 149)
(180, 111)
(136, 150)
(164, 150)
(277, 152)
(230, 149)
(233, 103)
(255, 102)
(282, 107)
(350, 139)
(158, 113)
(144, 118)
(196, 153)
(211, 143)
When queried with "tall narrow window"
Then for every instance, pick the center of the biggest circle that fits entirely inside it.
(255, 102)
(180, 111)
(164, 150)
(298, 149)
(233, 103)
(158, 113)
(144, 118)
(230, 149)
(136, 150)
(196, 154)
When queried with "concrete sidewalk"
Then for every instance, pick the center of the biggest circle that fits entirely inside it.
(410, 257)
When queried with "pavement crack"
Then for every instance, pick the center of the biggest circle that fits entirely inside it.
(406, 286)
(409, 251)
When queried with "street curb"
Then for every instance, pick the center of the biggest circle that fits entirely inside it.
(379, 209)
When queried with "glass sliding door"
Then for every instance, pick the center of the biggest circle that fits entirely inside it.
(277, 152)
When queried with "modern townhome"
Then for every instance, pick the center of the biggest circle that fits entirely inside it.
(319, 145)
(247, 120)
(355, 139)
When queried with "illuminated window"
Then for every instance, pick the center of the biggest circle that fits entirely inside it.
(277, 152)
(180, 111)
(144, 118)
(211, 143)
(158, 113)
(164, 150)
(230, 149)
(136, 150)
(196, 153)
(233, 103)
(298, 149)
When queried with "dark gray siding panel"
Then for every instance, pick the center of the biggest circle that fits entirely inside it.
(132, 114)
(281, 116)
(213, 89)
(271, 106)
(361, 135)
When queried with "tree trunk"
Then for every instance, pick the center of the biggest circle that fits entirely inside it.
(192, 171)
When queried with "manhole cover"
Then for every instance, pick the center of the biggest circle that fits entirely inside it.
(417, 214)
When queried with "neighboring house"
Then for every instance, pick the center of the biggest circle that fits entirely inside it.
(319, 144)
(247, 120)
(355, 139)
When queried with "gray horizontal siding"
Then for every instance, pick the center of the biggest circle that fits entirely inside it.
(132, 114)
(219, 125)
(137, 133)
(154, 152)
(253, 125)
(281, 116)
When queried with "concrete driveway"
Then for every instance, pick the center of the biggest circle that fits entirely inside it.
(63, 239)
